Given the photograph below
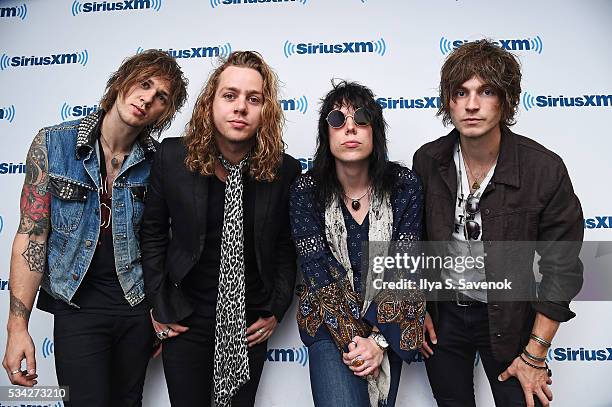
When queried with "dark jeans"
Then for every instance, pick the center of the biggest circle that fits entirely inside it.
(462, 331)
(188, 365)
(102, 359)
(333, 384)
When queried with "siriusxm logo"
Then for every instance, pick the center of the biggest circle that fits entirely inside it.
(196, 52)
(299, 356)
(97, 7)
(10, 168)
(7, 113)
(300, 104)
(521, 44)
(598, 222)
(18, 11)
(580, 355)
(530, 101)
(215, 3)
(74, 112)
(81, 57)
(306, 163)
(47, 347)
(426, 102)
(375, 47)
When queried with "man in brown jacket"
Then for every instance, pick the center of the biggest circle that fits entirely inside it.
(485, 185)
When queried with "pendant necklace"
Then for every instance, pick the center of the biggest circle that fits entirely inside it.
(115, 162)
(355, 204)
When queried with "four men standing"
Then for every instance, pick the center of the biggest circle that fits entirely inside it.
(83, 199)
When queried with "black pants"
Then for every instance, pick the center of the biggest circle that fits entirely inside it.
(188, 365)
(102, 359)
(462, 331)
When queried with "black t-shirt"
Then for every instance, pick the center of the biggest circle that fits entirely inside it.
(202, 282)
(100, 291)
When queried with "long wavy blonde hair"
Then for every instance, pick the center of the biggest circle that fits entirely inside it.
(267, 153)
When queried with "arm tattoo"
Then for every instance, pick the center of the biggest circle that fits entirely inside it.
(19, 309)
(35, 255)
(35, 203)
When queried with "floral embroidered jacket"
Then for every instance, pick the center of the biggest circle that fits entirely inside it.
(328, 305)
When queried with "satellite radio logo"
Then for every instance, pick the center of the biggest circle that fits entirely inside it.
(196, 52)
(378, 47)
(306, 163)
(7, 113)
(14, 12)
(534, 44)
(79, 57)
(47, 347)
(10, 168)
(107, 6)
(580, 355)
(598, 222)
(426, 102)
(296, 104)
(529, 101)
(68, 112)
(292, 355)
(216, 3)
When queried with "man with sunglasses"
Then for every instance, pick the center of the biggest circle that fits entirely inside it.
(484, 185)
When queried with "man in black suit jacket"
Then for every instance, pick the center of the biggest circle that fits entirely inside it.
(219, 264)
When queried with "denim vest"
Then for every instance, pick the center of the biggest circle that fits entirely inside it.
(74, 180)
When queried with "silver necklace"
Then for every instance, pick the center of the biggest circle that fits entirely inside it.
(355, 204)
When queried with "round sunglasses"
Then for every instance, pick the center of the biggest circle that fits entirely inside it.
(336, 118)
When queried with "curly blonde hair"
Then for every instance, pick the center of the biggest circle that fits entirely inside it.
(266, 156)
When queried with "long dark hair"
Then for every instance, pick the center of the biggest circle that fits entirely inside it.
(324, 164)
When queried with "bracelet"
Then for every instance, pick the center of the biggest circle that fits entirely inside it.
(548, 371)
(533, 357)
(539, 340)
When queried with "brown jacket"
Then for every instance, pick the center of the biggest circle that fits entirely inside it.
(530, 198)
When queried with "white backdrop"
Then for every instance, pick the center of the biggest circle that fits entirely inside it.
(396, 48)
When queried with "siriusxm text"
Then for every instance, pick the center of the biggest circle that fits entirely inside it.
(54, 59)
(10, 168)
(578, 101)
(598, 222)
(93, 7)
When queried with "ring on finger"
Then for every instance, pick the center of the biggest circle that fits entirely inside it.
(261, 331)
(357, 362)
(14, 372)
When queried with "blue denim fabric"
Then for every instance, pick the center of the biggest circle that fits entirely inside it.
(74, 179)
(333, 384)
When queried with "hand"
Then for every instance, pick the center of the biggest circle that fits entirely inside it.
(19, 346)
(261, 330)
(368, 351)
(171, 330)
(533, 381)
(428, 331)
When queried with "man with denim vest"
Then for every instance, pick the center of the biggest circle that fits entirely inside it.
(81, 207)
(486, 186)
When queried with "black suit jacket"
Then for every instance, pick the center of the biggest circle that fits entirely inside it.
(173, 232)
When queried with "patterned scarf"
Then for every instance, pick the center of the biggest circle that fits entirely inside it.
(380, 214)
(231, 363)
